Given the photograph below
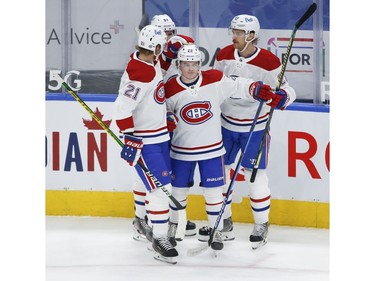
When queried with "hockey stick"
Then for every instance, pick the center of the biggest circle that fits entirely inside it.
(305, 16)
(109, 131)
(142, 24)
(198, 250)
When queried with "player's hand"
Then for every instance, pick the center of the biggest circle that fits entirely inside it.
(279, 99)
(260, 91)
(131, 151)
(174, 44)
(171, 121)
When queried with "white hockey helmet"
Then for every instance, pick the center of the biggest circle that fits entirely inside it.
(151, 36)
(164, 22)
(189, 52)
(247, 23)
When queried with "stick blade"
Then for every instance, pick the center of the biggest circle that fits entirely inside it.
(306, 15)
(196, 251)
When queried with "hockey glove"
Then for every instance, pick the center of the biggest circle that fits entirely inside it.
(171, 121)
(174, 44)
(260, 91)
(279, 99)
(131, 151)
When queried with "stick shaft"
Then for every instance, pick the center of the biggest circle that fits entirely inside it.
(201, 249)
(305, 16)
(230, 187)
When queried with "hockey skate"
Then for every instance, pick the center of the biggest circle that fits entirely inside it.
(164, 251)
(190, 229)
(259, 236)
(141, 230)
(227, 232)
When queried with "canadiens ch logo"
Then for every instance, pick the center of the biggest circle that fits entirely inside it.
(159, 93)
(196, 113)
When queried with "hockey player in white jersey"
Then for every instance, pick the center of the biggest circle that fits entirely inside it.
(141, 226)
(195, 97)
(244, 59)
(166, 23)
(139, 112)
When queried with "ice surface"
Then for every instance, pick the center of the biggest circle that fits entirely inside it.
(94, 248)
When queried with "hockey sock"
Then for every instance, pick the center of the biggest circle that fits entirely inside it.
(236, 195)
(180, 193)
(158, 211)
(228, 208)
(139, 192)
(214, 200)
(260, 196)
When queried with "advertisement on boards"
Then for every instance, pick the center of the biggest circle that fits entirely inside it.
(82, 156)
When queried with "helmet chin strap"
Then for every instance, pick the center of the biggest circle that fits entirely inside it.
(247, 44)
(157, 55)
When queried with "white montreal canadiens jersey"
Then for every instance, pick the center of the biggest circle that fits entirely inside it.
(141, 96)
(198, 132)
(237, 114)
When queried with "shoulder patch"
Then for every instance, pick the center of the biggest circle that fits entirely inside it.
(266, 60)
(139, 71)
(227, 53)
(172, 87)
(211, 76)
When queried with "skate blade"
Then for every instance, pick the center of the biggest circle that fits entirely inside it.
(149, 247)
(191, 232)
(228, 236)
(171, 260)
(139, 237)
(257, 245)
(203, 238)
